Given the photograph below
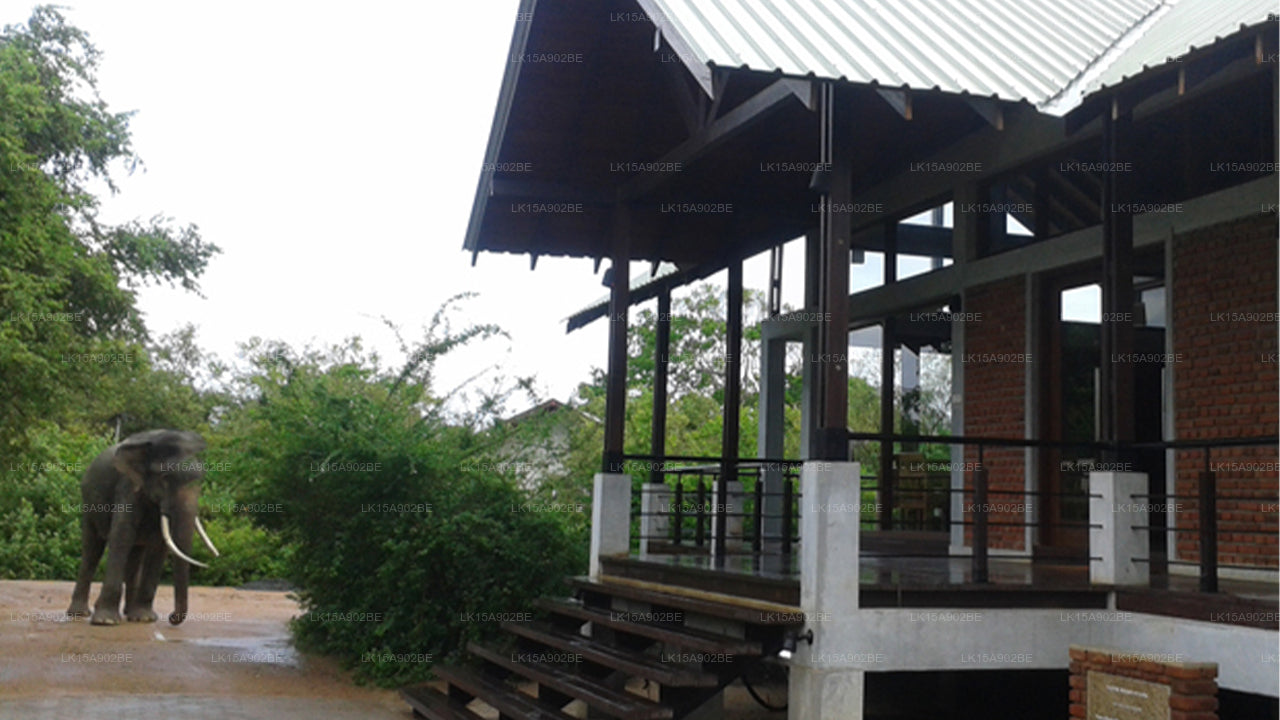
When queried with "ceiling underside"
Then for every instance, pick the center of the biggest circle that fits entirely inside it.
(596, 105)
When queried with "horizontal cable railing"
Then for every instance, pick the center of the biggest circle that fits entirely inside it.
(678, 525)
(1207, 529)
(761, 517)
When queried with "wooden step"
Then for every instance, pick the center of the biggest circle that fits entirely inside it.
(508, 701)
(727, 607)
(435, 705)
(784, 590)
(675, 636)
(634, 664)
(619, 704)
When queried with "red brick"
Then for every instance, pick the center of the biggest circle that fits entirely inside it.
(1194, 687)
(1193, 704)
(1192, 671)
(1183, 715)
(1102, 660)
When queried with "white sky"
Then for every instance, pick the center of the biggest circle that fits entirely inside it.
(332, 151)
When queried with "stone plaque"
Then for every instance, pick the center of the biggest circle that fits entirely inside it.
(1112, 697)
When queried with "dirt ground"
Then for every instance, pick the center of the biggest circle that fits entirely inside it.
(231, 659)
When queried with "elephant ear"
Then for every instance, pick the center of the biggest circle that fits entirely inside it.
(131, 460)
(138, 453)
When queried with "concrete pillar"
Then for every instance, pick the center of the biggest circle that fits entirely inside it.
(655, 515)
(1116, 541)
(824, 682)
(734, 521)
(610, 518)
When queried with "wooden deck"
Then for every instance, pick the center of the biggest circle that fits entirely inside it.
(906, 571)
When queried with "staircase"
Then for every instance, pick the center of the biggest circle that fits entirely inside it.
(685, 645)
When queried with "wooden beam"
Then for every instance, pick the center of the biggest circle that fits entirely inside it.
(662, 350)
(837, 132)
(530, 190)
(752, 111)
(926, 240)
(899, 100)
(691, 104)
(1027, 135)
(619, 308)
(988, 109)
(888, 338)
(1116, 395)
(1185, 81)
(1074, 248)
(732, 404)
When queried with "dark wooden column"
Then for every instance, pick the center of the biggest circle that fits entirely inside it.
(732, 403)
(619, 305)
(835, 230)
(888, 342)
(811, 403)
(1117, 278)
(661, 351)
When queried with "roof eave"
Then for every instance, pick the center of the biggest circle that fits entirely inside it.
(497, 131)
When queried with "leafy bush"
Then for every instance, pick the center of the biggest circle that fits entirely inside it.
(396, 537)
(39, 504)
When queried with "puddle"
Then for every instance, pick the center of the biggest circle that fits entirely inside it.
(258, 650)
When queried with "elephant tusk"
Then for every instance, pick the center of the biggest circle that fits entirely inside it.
(205, 536)
(168, 540)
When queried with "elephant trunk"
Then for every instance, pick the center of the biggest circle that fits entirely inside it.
(181, 564)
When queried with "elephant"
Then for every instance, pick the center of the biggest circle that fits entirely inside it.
(140, 497)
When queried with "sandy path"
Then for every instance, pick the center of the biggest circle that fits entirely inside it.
(230, 659)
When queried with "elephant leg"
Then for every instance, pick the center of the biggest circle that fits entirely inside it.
(132, 568)
(106, 611)
(139, 603)
(91, 547)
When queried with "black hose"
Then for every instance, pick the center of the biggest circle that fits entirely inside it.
(756, 696)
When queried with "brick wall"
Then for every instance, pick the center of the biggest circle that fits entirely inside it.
(1193, 687)
(1226, 380)
(994, 390)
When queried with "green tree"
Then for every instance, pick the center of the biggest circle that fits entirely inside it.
(68, 320)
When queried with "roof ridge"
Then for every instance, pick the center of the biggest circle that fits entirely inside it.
(1062, 100)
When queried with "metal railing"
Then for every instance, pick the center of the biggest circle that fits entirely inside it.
(1208, 530)
(980, 502)
(689, 526)
(982, 507)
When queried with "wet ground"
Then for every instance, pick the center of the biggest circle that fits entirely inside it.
(231, 659)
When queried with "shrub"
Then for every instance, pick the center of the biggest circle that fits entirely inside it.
(39, 504)
(395, 537)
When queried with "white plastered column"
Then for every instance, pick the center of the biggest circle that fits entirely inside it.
(1117, 543)
(610, 518)
(822, 684)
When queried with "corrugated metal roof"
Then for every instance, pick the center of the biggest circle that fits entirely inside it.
(1187, 24)
(1024, 50)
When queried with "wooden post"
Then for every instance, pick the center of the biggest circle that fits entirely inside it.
(732, 402)
(1117, 280)
(835, 230)
(980, 532)
(619, 306)
(888, 341)
(1208, 516)
(662, 349)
